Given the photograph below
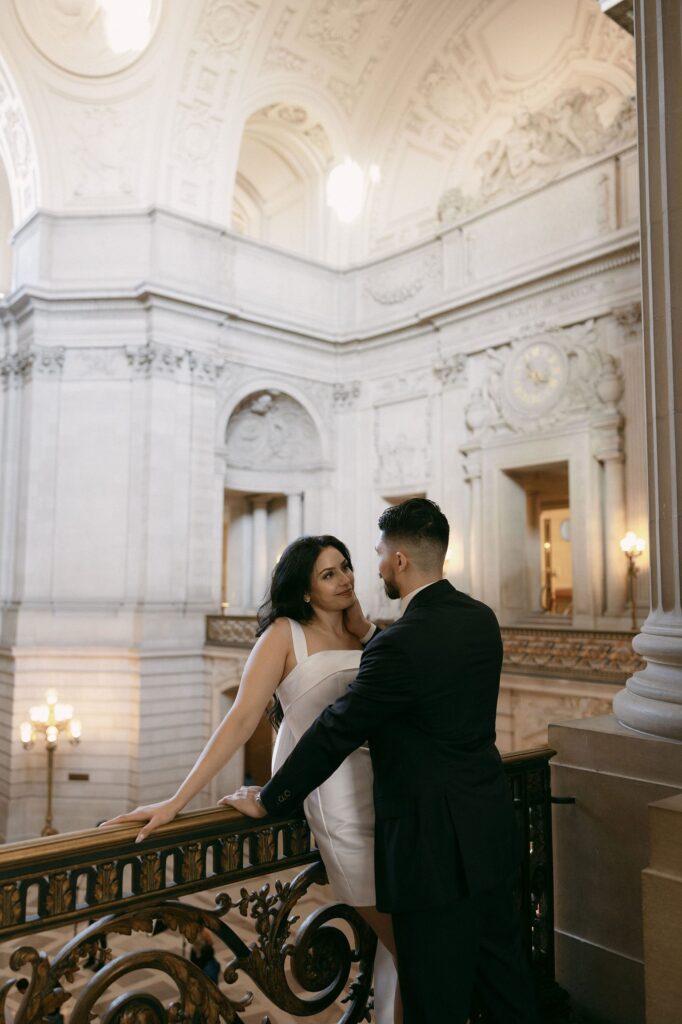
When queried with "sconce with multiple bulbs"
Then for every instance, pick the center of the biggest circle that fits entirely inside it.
(632, 547)
(50, 720)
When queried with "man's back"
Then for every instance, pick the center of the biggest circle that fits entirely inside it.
(444, 814)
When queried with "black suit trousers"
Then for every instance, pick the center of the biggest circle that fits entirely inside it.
(471, 944)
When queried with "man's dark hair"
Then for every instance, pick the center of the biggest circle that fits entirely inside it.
(420, 524)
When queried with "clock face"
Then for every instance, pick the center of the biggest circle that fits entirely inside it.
(535, 376)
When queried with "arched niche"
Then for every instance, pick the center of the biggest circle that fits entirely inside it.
(273, 453)
(268, 432)
(284, 157)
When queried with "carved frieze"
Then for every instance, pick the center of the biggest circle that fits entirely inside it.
(36, 361)
(270, 430)
(158, 360)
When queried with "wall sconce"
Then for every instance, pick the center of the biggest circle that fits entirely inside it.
(632, 547)
(50, 720)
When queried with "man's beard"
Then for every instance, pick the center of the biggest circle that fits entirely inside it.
(391, 590)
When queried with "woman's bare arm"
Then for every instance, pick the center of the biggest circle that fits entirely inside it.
(264, 670)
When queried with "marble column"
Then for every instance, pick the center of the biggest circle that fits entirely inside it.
(472, 475)
(259, 550)
(246, 524)
(294, 517)
(614, 530)
(652, 700)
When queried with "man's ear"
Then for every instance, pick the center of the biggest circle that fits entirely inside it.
(401, 561)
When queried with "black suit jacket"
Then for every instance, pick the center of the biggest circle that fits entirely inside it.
(425, 698)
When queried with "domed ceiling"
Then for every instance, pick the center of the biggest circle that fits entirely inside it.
(235, 111)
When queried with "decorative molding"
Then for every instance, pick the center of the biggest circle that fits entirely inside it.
(589, 655)
(17, 150)
(571, 654)
(38, 361)
(153, 359)
(451, 371)
(74, 36)
(396, 284)
(346, 395)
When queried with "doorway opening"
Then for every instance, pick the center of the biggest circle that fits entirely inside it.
(536, 553)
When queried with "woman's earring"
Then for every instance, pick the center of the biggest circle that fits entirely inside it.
(306, 599)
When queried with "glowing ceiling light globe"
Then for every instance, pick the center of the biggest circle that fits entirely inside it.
(346, 190)
(127, 23)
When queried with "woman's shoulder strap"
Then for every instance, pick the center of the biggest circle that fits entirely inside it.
(298, 637)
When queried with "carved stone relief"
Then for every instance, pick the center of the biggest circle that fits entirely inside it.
(451, 371)
(540, 145)
(403, 442)
(17, 150)
(158, 360)
(346, 395)
(337, 26)
(77, 35)
(398, 284)
(36, 361)
(270, 430)
(543, 378)
(104, 148)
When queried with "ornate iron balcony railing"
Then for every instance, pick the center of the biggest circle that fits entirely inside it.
(130, 888)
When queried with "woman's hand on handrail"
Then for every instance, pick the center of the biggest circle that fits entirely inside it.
(153, 814)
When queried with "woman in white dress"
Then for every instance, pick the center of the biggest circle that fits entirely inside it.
(307, 653)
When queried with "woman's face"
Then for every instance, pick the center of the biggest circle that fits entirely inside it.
(331, 582)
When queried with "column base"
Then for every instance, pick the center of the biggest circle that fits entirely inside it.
(652, 700)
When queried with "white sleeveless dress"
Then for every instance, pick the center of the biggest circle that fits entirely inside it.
(341, 811)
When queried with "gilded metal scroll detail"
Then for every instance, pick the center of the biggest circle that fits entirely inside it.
(322, 961)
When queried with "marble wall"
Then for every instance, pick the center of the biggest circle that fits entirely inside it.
(151, 362)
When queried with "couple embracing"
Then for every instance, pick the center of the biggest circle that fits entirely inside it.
(388, 739)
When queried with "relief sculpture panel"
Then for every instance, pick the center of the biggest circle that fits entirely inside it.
(270, 430)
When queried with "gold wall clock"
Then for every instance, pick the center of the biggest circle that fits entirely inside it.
(535, 376)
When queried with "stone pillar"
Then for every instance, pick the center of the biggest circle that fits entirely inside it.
(259, 550)
(614, 529)
(472, 475)
(294, 516)
(247, 558)
(662, 912)
(652, 701)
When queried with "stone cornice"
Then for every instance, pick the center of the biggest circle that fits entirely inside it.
(619, 252)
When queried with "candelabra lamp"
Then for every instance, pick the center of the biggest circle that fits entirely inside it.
(50, 720)
(632, 547)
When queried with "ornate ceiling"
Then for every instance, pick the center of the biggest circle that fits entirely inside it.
(236, 109)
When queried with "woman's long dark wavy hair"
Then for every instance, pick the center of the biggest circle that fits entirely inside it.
(290, 583)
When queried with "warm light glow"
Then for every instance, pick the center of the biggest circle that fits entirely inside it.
(39, 713)
(127, 24)
(346, 190)
(51, 697)
(26, 733)
(63, 712)
(51, 733)
(75, 729)
(632, 545)
(547, 546)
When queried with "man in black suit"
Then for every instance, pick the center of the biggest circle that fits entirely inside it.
(446, 846)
